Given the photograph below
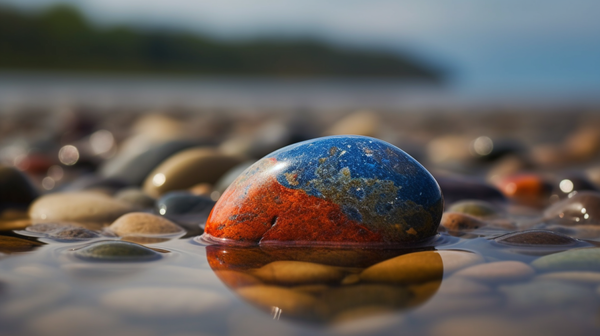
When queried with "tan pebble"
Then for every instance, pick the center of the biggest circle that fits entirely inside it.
(460, 286)
(340, 299)
(351, 279)
(188, 168)
(143, 223)
(289, 301)
(79, 207)
(145, 240)
(410, 268)
(235, 279)
(424, 292)
(455, 260)
(501, 271)
(460, 222)
(311, 289)
(297, 273)
(365, 321)
(358, 123)
(592, 278)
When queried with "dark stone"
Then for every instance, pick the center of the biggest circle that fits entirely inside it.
(16, 190)
(535, 237)
(116, 251)
(10, 245)
(184, 208)
(457, 189)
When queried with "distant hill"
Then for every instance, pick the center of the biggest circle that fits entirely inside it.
(60, 38)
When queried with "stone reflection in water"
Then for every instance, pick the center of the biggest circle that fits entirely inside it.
(328, 285)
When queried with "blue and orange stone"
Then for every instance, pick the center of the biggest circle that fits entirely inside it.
(338, 190)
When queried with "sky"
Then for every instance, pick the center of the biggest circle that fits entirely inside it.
(551, 45)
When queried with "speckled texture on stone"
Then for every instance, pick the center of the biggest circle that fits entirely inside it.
(334, 189)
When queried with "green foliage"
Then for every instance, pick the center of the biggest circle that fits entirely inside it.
(60, 38)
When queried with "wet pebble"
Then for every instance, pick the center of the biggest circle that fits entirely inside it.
(289, 273)
(528, 188)
(136, 198)
(337, 190)
(479, 209)
(583, 259)
(457, 189)
(347, 298)
(406, 269)
(581, 208)
(116, 251)
(460, 222)
(289, 301)
(77, 207)
(73, 233)
(185, 208)
(456, 260)
(587, 278)
(10, 245)
(140, 223)
(535, 237)
(235, 279)
(188, 168)
(16, 190)
(549, 293)
(498, 272)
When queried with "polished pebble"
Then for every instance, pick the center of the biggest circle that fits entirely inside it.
(184, 208)
(535, 238)
(289, 273)
(10, 245)
(73, 233)
(16, 190)
(77, 207)
(116, 251)
(453, 221)
(188, 168)
(140, 223)
(407, 269)
(583, 259)
(136, 198)
(235, 279)
(501, 271)
(338, 190)
(289, 301)
(479, 209)
(456, 260)
(581, 277)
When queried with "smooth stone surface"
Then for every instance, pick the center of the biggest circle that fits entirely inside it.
(10, 245)
(15, 188)
(77, 207)
(535, 237)
(184, 208)
(479, 209)
(548, 293)
(134, 169)
(188, 168)
(581, 208)
(116, 251)
(289, 301)
(588, 278)
(584, 259)
(525, 187)
(49, 227)
(235, 279)
(460, 222)
(136, 198)
(290, 273)
(456, 260)
(141, 223)
(462, 287)
(413, 268)
(457, 189)
(500, 271)
(163, 303)
(340, 189)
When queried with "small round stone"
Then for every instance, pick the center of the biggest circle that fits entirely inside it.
(583, 259)
(457, 189)
(77, 207)
(535, 238)
(460, 222)
(412, 268)
(184, 208)
(10, 245)
(580, 277)
(501, 271)
(456, 260)
(116, 251)
(49, 227)
(136, 198)
(581, 208)
(293, 273)
(337, 190)
(188, 168)
(288, 300)
(479, 209)
(137, 223)
(15, 188)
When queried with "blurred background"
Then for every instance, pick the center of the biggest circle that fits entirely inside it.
(485, 88)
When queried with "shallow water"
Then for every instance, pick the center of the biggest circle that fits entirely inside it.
(48, 291)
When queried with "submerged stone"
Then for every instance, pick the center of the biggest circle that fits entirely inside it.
(583, 259)
(10, 245)
(116, 251)
(535, 238)
(581, 208)
(480, 209)
(460, 222)
(73, 233)
(339, 189)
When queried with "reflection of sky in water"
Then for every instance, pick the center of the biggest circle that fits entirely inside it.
(490, 45)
